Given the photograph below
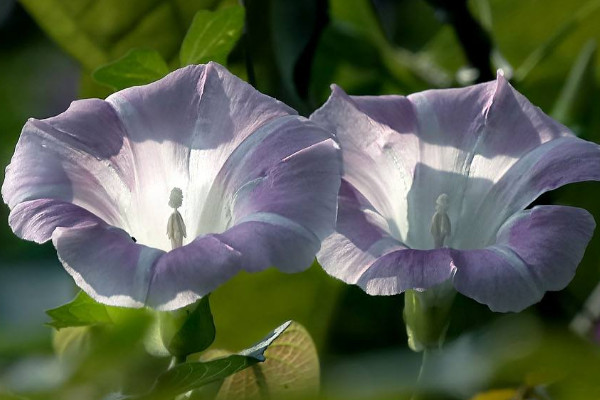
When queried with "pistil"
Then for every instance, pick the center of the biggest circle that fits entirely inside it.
(176, 227)
(440, 222)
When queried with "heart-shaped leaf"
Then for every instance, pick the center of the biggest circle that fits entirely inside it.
(192, 375)
(290, 371)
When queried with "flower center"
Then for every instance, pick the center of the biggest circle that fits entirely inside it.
(440, 222)
(176, 227)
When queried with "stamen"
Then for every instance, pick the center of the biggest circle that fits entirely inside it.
(176, 227)
(440, 222)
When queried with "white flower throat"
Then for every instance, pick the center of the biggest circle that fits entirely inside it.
(440, 222)
(176, 227)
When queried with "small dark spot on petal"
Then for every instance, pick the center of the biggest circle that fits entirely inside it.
(134, 239)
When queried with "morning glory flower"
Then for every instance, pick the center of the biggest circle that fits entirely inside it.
(435, 189)
(162, 192)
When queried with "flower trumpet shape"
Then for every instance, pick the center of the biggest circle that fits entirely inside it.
(435, 187)
(162, 192)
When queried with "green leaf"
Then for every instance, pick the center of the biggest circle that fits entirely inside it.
(188, 376)
(100, 31)
(290, 370)
(138, 67)
(188, 330)
(212, 36)
(81, 311)
(85, 311)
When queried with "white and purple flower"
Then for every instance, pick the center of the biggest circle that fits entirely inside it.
(435, 189)
(198, 159)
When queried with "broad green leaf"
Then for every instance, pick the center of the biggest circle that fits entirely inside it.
(188, 330)
(85, 311)
(290, 371)
(212, 36)
(81, 311)
(577, 96)
(192, 375)
(138, 67)
(100, 31)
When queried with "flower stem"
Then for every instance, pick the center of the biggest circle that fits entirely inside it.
(417, 393)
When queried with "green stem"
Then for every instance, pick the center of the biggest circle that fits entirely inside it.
(418, 391)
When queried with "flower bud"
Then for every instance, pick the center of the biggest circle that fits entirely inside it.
(426, 315)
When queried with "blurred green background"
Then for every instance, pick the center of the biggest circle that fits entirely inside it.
(293, 50)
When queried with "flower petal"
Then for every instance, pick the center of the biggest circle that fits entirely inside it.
(106, 263)
(537, 250)
(360, 238)
(362, 252)
(547, 167)
(187, 273)
(36, 220)
(401, 270)
(183, 128)
(378, 157)
(283, 182)
(301, 187)
(79, 156)
(389, 143)
(269, 240)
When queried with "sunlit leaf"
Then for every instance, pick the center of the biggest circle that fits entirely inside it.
(103, 30)
(138, 67)
(81, 311)
(212, 35)
(191, 375)
(290, 371)
(100, 31)
(85, 311)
